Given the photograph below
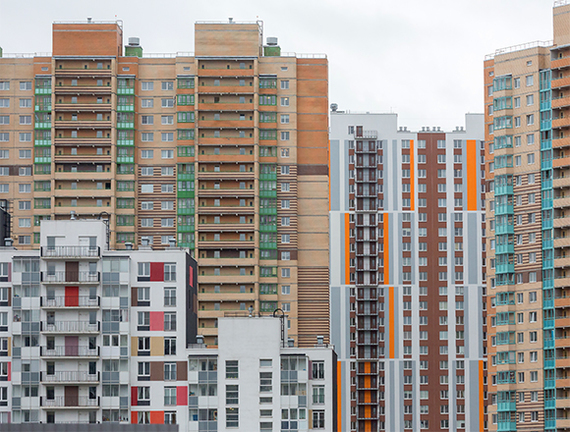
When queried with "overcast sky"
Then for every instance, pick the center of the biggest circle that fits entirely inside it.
(422, 59)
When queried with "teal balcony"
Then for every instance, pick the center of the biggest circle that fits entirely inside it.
(125, 125)
(268, 176)
(501, 209)
(506, 406)
(504, 229)
(504, 190)
(505, 268)
(126, 90)
(126, 108)
(505, 248)
(126, 159)
(126, 142)
(268, 228)
(268, 210)
(185, 228)
(268, 193)
(42, 125)
(185, 176)
(507, 426)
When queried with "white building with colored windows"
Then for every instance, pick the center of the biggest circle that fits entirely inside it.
(87, 334)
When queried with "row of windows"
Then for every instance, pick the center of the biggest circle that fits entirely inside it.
(24, 103)
(24, 85)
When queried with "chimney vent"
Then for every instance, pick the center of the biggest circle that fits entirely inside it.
(8, 242)
(320, 340)
(290, 343)
(172, 242)
(272, 41)
(200, 339)
(128, 246)
(89, 20)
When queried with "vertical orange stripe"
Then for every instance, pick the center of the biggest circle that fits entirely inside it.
(391, 331)
(338, 395)
(412, 176)
(481, 394)
(386, 250)
(346, 249)
(471, 151)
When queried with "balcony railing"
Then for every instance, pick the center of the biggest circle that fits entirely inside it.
(70, 327)
(76, 277)
(70, 251)
(69, 351)
(70, 301)
(69, 401)
(69, 376)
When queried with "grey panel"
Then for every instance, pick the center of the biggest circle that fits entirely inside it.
(473, 268)
(391, 411)
(473, 407)
(335, 314)
(335, 174)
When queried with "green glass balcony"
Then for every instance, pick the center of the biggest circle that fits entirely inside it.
(126, 90)
(125, 125)
(504, 229)
(268, 245)
(507, 426)
(504, 190)
(268, 210)
(185, 176)
(268, 228)
(126, 159)
(46, 143)
(185, 194)
(42, 90)
(185, 211)
(506, 406)
(126, 108)
(43, 107)
(42, 160)
(42, 125)
(185, 228)
(505, 248)
(505, 268)
(268, 176)
(501, 209)
(189, 245)
(268, 193)
(126, 142)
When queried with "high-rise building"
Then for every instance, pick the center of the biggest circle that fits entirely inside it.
(527, 138)
(407, 282)
(87, 334)
(224, 150)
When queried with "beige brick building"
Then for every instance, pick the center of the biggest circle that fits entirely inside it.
(224, 151)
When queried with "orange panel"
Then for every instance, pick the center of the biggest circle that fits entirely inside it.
(368, 411)
(346, 249)
(157, 417)
(472, 175)
(367, 367)
(367, 381)
(386, 250)
(412, 176)
(367, 397)
(391, 348)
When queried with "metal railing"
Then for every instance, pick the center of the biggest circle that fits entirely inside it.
(64, 276)
(519, 47)
(69, 376)
(69, 401)
(69, 351)
(70, 327)
(70, 251)
(70, 301)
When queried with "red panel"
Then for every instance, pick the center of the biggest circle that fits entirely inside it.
(157, 272)
(134, 397)
(72, 296)
(134, 417)
(181, 395)
(157, 321)
(191, 278)
(157, 417)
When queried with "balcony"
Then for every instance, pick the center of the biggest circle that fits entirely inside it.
(561, 142)
(226, 244)
(82, 89)
(63, 277)
(561, 262)
(82, 141)
(564, 201)
(560, 82)
(69, 377)
(83, 124)
(69, 402)
(82, 158)
(223, 106)
(67, 302)
(224, 73)
(226, 210)
(70, 327)
(562, 241)
(69, 352)
(76, 252)
(218, 192)
(75, 107)
(229, 227)
(561, 182)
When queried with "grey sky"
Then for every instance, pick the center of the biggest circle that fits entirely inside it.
(420, 58)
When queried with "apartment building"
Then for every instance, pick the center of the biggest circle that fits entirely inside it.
(407, 275)
(224, 150)
(255, 380)
(526, 140)
(87, 334)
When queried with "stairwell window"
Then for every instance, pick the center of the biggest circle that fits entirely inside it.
(284, 101)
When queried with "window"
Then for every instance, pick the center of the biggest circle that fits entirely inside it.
(25, 103)
(167, 85)
(318, 370)
(284, 84)
(147, 103)
(167, 205)
(285, 204)
(167, 119)
(167, 137)
(169, 395)
(318, 419)
(147, 154)
(232, 369)
(24, 188)
(530, 119)
(232, 417)
(169, 271)
(147, 188)
(147, 86)
(25, 154)
(167, 103)
(530, 99)
(169, 371)
(4, 85)
(284, 118)
(169, 346)
(147, 120)
(147, 137)
(284, 136)
(529, 80)
(169, 321)
(284, 101)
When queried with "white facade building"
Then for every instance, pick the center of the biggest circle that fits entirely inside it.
(87, 334)
(254, 381)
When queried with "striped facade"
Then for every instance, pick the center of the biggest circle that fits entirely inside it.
(407, 285)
